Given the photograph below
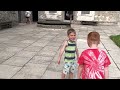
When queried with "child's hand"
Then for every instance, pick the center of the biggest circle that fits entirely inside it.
(59, 62)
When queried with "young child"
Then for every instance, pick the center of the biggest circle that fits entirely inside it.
(93, 62)
(27, 15)
(70, 48)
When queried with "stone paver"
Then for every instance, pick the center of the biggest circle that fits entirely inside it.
(30, 71)
(13, 49)
(31, 52)
(7, 71)
(33, 48)
(6, 55)
(25, 54)
(16, 61)
(41, 60)
(55, 67)
(51, 75)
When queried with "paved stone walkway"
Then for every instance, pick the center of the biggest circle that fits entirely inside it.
(30, 52)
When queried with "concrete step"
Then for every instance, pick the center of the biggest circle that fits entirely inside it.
(53, 22)
(54, 26)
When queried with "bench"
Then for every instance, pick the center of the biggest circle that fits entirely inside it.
(5, 24)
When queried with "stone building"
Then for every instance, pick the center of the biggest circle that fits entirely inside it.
(13, 18)
(101, 17)
(8, 17)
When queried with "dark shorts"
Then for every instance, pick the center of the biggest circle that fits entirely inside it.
(27, 17)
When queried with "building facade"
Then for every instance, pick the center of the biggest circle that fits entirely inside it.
(6, 16)
(102, 17)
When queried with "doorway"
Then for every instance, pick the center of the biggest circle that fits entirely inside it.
(34, 16)
(68, 14)
(19, 16)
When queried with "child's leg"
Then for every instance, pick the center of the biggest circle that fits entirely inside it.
(72, 70)
(65, 70)
(29, 20)
(63, 76)
(26, 19)
(71, 75)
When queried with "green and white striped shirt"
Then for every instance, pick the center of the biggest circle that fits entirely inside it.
(70, 52)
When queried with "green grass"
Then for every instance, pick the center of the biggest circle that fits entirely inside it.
(116, 39)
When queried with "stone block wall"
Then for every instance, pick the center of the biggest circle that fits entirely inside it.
(51, 16)
(75, 15)
(9, 16)
(41, 15)
(22, 17)
(100, 16)
(106, 16)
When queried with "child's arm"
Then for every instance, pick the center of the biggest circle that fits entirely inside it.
(80, 67)
(106, 65)
(62, 49)
(77, 52)
(106, 73)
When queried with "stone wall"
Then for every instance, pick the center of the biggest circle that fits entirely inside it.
(22, 17)
(106, 16)
(41, 15)
(100, 16)
(52, 16)
(9, 16)
(75, 15)
(118, 18)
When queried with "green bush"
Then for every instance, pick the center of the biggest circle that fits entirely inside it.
(116, 39)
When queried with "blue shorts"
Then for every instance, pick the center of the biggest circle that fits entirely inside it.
(69, 67)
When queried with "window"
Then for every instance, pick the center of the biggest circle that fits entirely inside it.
(52, 11)
(85, 12)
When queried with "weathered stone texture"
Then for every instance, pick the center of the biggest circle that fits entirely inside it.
(22, 18)
(75, 21)
(51, 16)
(41, 15)
(6, 16)
(75, 15)
(106, 16)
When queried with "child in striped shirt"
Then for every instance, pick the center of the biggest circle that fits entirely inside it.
(70, 48)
